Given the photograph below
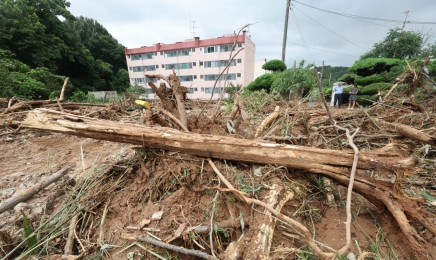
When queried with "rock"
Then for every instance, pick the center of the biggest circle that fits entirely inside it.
(144, 222)
(157, 215)
(10, 139)
(5, 214)
(351, 256)
(36, 211)
(21, 206)
(22, 186)
(27, 178)
(8, 192)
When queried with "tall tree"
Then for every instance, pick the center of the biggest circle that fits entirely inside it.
(397, 44)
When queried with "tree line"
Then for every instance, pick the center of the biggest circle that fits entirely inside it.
(41, 43)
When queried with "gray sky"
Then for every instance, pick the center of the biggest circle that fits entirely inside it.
(142, 23)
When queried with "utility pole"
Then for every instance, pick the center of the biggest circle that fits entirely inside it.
(285, 33)
(398, 40)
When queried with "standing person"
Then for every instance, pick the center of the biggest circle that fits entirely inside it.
(332, 100)
(338, 94)
(353, 97)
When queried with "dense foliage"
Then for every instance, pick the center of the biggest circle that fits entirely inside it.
(372, 66)
(41, 42)
(262, 82)
(397, 44)
(331, 74)
(274, 65)
(290, 79)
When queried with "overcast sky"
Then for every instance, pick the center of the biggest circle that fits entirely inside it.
(340, 42)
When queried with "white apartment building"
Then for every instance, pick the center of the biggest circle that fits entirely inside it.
(197, 63)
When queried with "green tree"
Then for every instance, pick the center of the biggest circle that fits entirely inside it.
(274, 65)
(263, 82)
(292, 79)
(397, 44)
(371, 66)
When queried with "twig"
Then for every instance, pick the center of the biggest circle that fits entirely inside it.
(68, 249)
(267, 121)
(61, 97)
(321, 92)
(59, 104)
(218, 78)
(163, 111)
(30, 192)
(344, 249)
(103, 218)
(182, 250)
(211, 219)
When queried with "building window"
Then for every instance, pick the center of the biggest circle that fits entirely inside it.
(144, 80)
(136, 56)
(193, 49)
(178, 66)
(200, 49)
(213, 77)
(157, 66)
(161, 53)
(130, 68)
(239, 44)
(194, 63)
(195, 89)
(128, 56)
(239, 60)
(190, 90)
(218, 63)
(186, 78)
(149, 91)
(226, 48)
(201, 63)
(195, 76)
(201, 76)
(144, 68)
(175, 53)
(211, 49)
(216, 90)
(238, 75)
(202, 89)
(163, 66)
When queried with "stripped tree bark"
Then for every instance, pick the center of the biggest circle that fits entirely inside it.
(409, 132)
(267, 121)
(298, 157)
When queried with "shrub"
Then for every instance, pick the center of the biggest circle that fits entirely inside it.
(374, 88)
(373, 66)
(274, 65)
(365, 81)
(262, 82)
(348, 78)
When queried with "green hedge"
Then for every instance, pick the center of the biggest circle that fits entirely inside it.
(374, 88)
(365, 81)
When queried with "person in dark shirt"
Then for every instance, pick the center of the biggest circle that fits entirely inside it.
(353, 97)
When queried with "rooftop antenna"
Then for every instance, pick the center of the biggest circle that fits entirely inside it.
(191, 26)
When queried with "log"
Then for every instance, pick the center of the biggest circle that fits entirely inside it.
(267, 121)
(409, 132)
(255, 151)
(261, 245)
(30, 192)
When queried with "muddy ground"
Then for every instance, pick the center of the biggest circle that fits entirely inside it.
(149, 181)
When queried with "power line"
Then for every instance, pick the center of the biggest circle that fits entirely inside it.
(323, 50)
(364, 17)
(332, 31)
(301, 35)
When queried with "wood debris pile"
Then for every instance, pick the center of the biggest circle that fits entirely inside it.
(203, 184)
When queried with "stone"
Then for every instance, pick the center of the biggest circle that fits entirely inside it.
(8, 192)
(36, 211)
(157, 215)
(21, 206)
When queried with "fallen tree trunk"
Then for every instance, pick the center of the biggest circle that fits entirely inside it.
(30, 192)
(298, 157)
(409, 132)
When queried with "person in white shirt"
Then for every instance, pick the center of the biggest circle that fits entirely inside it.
(338, 94)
